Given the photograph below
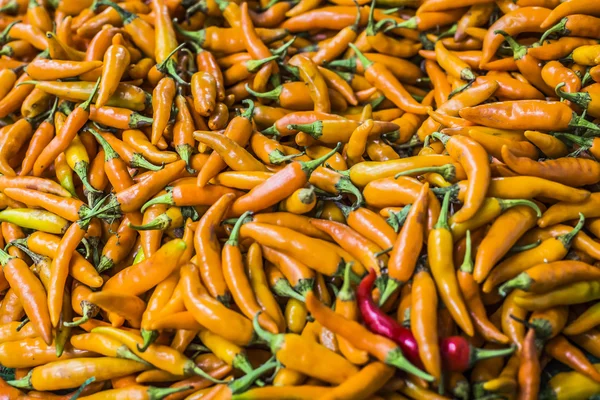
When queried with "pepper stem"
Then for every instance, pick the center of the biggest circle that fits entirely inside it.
(478, 354)
(371, 31)
(396, 359)
(86, 104)
(519, 51)
(156, 393)
(138, 161)
(23, 383)
(349, 64)
(283, 48)
(12, 7)
(159, 223)
(309, 166)
(361, 57)
(567, 238)
(346, 293)
(4, 33)
(283, 288)
(75, 395)
(580, 122)
(166, 198)
(109, 152)
(277, 157)
(255, 65)
(249, 112)
(274, 341)
(345, 185)
(396, 219)
(522, 281)
(560, 28)
(138, 120)
(448, 171)
(441, 137)
(234, 236)
(467, 265)
(410, 23)
(167, 66)
(582, 142)
(581, 99)
(270, 95)
(518, 249)
(506, 204)
(125, 15)
(5, 257)
(149, 337)
(390, 288)
(442, 222)
(243, 383)
(88, 311)
(198, 36)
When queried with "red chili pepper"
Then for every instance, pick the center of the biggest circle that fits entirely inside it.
(459, 355)
(380, 323)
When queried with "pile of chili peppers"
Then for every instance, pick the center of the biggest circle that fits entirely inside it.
(341, 199)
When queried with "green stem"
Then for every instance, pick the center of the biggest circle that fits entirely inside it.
(567, 238)
(309, 166)
(243, 383)
(125, 15)
(149, 337)
(346, 293)
(160, 223)
(506, 204)
(560, 29)
(167, 66)
(442, 222)
(467, 265)
(396, 219)
(282, 288)
(525, 247)
(396, 359)
(89, 310)
(361, 57)
(522, 281)
(156, 393)
(348, 64)
(519, 51)
(255, 65)
(270, 95)
(86, 104)
(582, 99)
(235, 232)
(448, 171)
(249, 112)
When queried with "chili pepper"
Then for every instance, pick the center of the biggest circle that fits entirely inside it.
(58, 69)
(298, 246)
(548, 115)
(380, 77)
(210, 312)
(65, 135)
(474, 159)
(530, 369)
(472, 296)
(550, 250)
(259, 284)
(402, 263)
(143, 276)
(365, 172)
(541, 278)
(549, 145)
(140, 142)
(459, 355)
(381, 324)
(491, 208)
(30, 291)
(574, 293)
(279, 186)
(562, 350)
(384, 349)
(360, 247)
(80, 369)
(502, 235)
(238, 282)
(525, 19)
(566, 385)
